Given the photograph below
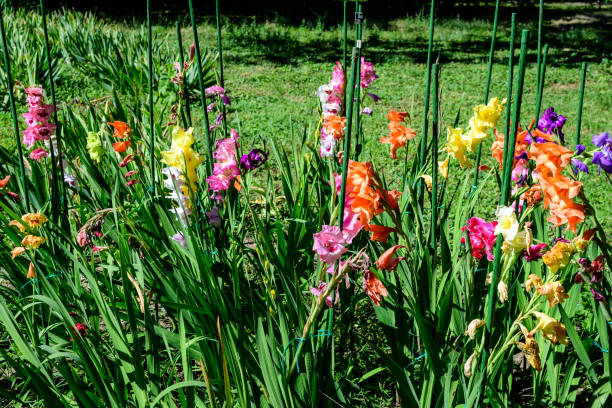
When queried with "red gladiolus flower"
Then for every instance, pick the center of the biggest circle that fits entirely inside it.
(386, 262)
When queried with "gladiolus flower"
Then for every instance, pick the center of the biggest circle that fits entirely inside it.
(128, 159)
(530, 349)
(507, 224)
(473, 327)
(334, 126)
(94, 147)
(551, 122)
(17, 224)
(31, 274)
(455, 146)
(17, 251)
(552, 329)
(502, 291)
(320, 290)
(122, 130)
(179, 239)
(373, 287)
(34, 220)
(534, 252)
(38, 154)
(121, 147)
(213, 216)
(559, 256)
(482, 237)
(467, 367)
(367, 74)
(554, 292)
(533, 281)
(379, 232)
(329, 244)
(254, 159)
(32, 241)
(386, 262)
(4, 181)
(443, 167)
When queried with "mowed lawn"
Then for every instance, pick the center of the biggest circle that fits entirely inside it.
(272, 71)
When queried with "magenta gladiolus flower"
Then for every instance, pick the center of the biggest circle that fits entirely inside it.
(215, 90)
(368, 76)
(254, 159)
(226, 169)
(321, 289)
(337, 81)
(329, 244)
(535, 252)
(482, 237)
(38, 154)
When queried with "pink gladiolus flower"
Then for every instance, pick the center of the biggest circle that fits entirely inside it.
(328, 144)
(337, 81)
(226, 169)
(367, 73)
(318, 291)
(179, 239)
(215, 90)
(35, 95)
(38, 154)
(482, 237)
(213, 216)
(329, 244)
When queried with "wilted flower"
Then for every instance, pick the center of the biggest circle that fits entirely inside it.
(32, 241)
(467, 367)
(502, 291)
(34, 220)
(31, 274)
(320, 290)
(559, 256)
(533, 281)
(473, 327)
(386, 262)
(373, 287)
(552, 329)
(17, 251)
(554, 292)
(530, 348)
(179, 239)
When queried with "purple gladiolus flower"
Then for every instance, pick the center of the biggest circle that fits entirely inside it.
(579, 166)
(552, 122)
(254, 159)
(374, 97)
(603, 160)
(597, 296)
(560, 239)
(602, 140)
(367, 111)
(535, 252)
(179, 239)
(579, 149)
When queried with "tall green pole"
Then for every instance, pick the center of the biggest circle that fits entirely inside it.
(503, 200)
(358, 35)
(427, 89)
(540, 21)
(509, 93)
(9, 84)
(55, 184)
(202, 93)
(580, 99)
(220, 48)
(185, 87)
(434, 157)
(487, 87)
(151, 118)
(542, 76)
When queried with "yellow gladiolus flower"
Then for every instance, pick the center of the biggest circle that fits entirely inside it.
(443, 167)
(32, 241)
(559, 256)
(455, 146)
(94, 146)
(533, 281)
(552, 329)
(554, 292)
(34, 220)
(487, 116)
(182, 156)
(17, 224)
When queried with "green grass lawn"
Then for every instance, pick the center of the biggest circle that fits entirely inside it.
(272, 71)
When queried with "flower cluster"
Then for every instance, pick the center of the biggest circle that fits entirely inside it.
(37, 119)
(221, 93)
(123, 133)
(400, 134)
(29, 221)
(330, 95)
(485, 118)
(182, 162)
(552, 123)
(226, 169)
(603, 157)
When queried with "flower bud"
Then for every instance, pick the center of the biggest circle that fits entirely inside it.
(502, 291)
(467, 367)
(473, 326)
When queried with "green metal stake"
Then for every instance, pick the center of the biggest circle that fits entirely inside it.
(427, 89)
(508, 158)
(344, 47)
(54, 182)
(151, 121)
(540, 20)
(581, 97)
(487, 87)
(220, 47)
(434, 158)
(202, 94)
(9, 84)
(540, 90)
(509, 94)
(358, 34)
(185, 87)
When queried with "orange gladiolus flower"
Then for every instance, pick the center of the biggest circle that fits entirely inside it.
(17, 251)
(391, 197)
(386, 262)
(121, 147)
(400, 134)
(122, 130)
(31, 274)
(373, 287)
(334, 125)
(379, 232)
(394, 116)
(4, 181)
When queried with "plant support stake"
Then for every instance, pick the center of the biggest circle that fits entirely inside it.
(151, 121)
(580, 99)
(185, 87)
(9, 84)
(220, 48)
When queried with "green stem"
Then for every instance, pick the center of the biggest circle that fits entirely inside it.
(202, 94)
(344, 52)
(509, 95)
(487, 88)
(185, 87)
(427, 90)
(151, 118)
(220, 48)
(541, 76)
(434, 160)
(9, 84)
(508, 159)
(358, 136)
(580, 99)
